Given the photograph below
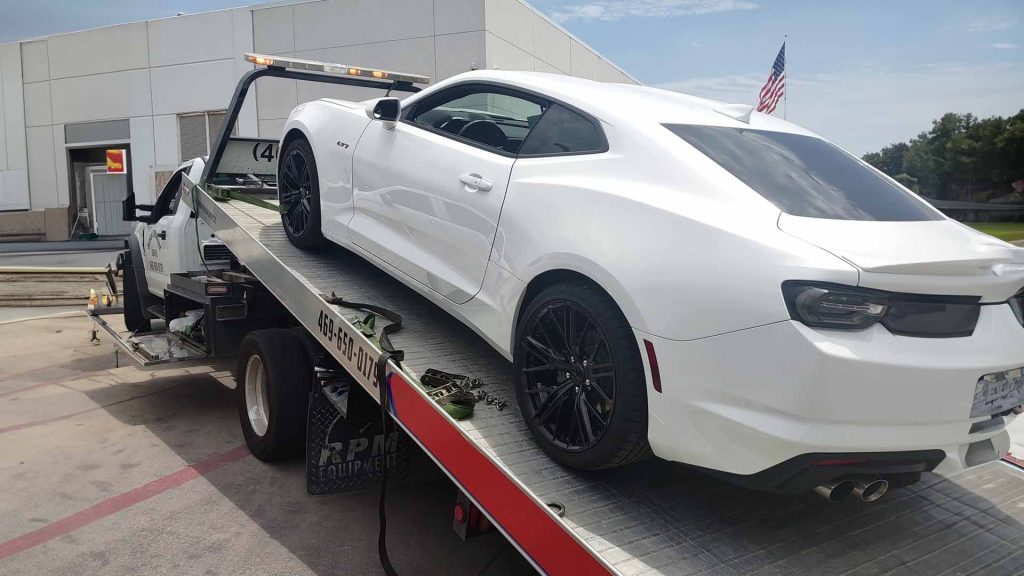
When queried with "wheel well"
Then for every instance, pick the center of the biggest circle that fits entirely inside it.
(292, 134)
(539, 283)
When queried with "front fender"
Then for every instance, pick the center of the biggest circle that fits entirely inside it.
(333, 129)
(138, 271)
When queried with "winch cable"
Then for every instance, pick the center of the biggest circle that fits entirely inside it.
(388, 353)
(199, 246)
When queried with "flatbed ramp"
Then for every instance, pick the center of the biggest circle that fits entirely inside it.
(652, 518)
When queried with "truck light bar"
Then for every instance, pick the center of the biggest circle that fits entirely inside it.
(342, 69)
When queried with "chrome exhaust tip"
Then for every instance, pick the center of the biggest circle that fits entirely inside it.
(870, 489)
(837, 489)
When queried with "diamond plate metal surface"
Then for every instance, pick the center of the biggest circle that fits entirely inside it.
(658, 517)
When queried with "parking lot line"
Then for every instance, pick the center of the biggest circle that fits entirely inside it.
(117, 503)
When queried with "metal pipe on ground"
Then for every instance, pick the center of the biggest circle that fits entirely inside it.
(49, 270)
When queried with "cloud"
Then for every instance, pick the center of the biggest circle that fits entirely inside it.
(1004, 46)
(618, 10)
(864, 109)
(990, 24)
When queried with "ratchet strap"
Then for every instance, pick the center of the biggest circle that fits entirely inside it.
(452, 392)
(388, 353)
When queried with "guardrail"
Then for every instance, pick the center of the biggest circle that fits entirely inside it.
(978, 211)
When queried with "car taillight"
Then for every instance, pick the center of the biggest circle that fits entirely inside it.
(826, 305)
(933, 319)
(833, 306)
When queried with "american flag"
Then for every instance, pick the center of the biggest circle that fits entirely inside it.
(775, 87)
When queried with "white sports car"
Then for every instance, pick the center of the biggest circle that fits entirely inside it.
(678, 276)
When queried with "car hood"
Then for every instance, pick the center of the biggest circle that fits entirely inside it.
(931, 257)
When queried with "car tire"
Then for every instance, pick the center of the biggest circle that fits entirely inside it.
(298, 191)
(600, 363)
(131, 301)
(273, 378)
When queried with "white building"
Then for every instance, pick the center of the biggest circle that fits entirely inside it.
(158, 88)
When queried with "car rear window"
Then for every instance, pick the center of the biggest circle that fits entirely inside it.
(562, 131)
(804, 175)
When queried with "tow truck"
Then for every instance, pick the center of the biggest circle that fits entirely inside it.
(297, 323)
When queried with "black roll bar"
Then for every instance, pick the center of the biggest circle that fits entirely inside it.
(242, 89)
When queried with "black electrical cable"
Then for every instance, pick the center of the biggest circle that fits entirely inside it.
(388, 353)
(195, 218)
(385, 399)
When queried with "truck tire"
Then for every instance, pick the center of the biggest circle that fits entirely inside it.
(580, 378)
(134, 316)
(298, 192)
(273, 377)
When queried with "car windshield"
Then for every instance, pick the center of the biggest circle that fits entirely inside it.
(804, 175)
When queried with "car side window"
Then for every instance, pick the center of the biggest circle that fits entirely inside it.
(485, 115)
(562, 131)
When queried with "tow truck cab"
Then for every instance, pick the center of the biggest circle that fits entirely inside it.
(168, 238)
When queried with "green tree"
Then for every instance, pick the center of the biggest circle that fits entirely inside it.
(959, 158)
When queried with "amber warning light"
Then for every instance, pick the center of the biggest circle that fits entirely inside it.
(342, 69)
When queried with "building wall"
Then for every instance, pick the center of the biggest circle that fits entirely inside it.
(439, 38)
(148, 73)
(518, 37)
(145, 72)
(14, 193)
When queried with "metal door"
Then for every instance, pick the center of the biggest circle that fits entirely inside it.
(107, 192)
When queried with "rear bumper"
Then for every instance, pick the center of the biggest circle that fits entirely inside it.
(803, 473)
(745, 402)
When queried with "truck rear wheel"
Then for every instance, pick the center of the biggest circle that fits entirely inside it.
(273, 379)
(134, 316)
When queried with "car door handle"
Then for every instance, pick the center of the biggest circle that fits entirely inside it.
(475, 183)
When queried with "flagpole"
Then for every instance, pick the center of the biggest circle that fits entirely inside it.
(785, 70)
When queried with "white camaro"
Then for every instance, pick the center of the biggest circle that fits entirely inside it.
(676, 275)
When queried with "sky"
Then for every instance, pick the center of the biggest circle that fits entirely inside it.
(862, 73)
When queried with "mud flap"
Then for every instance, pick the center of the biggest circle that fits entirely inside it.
(345, 445)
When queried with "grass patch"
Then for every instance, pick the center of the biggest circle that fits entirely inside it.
(1008, 231)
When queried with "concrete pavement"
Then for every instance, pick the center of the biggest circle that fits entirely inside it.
(127, 470)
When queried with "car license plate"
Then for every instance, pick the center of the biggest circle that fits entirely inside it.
(998, 392)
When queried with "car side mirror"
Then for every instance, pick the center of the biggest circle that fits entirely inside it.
(384, 110)
(130, 210)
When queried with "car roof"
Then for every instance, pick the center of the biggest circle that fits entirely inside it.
(614, 103)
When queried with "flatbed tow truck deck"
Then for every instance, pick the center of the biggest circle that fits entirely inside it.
(655, 517)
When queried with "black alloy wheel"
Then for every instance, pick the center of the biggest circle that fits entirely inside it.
(580, 377)
(299, 195)
(569, 375)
